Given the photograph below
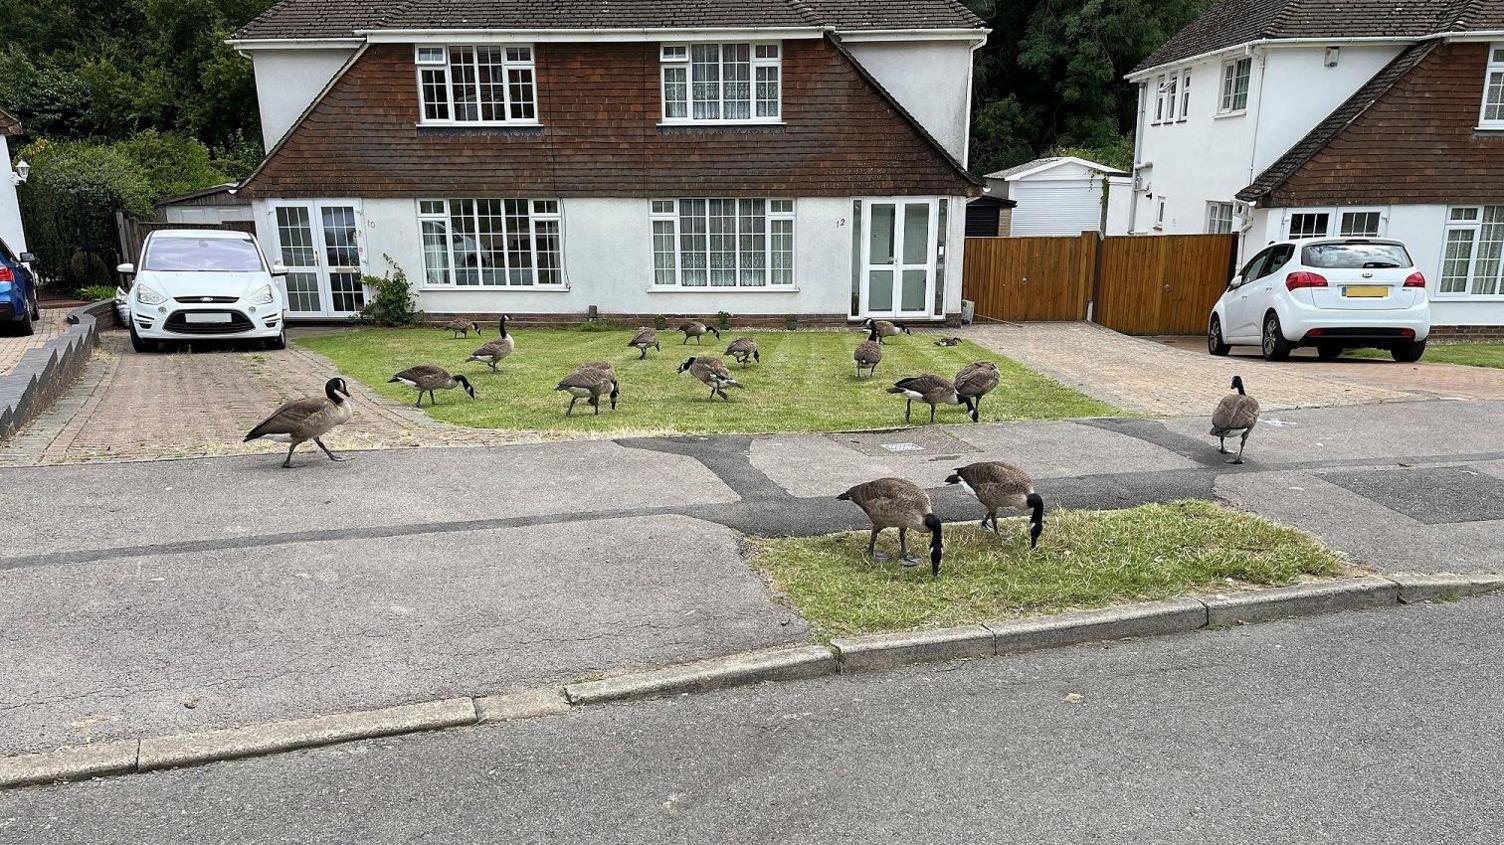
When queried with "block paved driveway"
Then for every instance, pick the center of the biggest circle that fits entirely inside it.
(52, 324)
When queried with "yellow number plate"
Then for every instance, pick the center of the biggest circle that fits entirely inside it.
(1368, 291)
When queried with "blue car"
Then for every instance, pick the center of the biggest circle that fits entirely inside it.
(18, 292)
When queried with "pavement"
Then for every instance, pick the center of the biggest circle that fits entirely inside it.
(1375, 727)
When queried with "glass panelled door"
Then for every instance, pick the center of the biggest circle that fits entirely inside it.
(319, 243)
(898, 257)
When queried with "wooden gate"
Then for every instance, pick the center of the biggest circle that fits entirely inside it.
(1040, 278)
(131, 233)
(1141, 284)
(1162, 284)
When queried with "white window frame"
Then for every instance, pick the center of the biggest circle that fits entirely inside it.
(1159, 101)
(1342, 215)
(435, 58)
(1227, 97)
(1308, 212)
(1493, 83)
(1159, 212)
(1475, 227)
(1216, 218)
(1336, 219)
(677, 56)
(1172, 96)
(539, 210)
(664, 218)
(1185, 95)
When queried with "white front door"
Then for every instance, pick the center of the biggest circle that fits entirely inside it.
(319, 243)
(899, 242)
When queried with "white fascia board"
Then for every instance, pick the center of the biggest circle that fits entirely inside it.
(248, 44)
(1089, 165)
(1479, 35)
(858, 36)
(541, 36)
(1272, 43)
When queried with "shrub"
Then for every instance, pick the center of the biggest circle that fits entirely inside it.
(94, 293)
(69, 206)
(660, 322)
(724, 318)
(393, 303)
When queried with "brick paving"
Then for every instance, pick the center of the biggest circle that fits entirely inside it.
(129, 406)
(1140, 375)
(53, 323)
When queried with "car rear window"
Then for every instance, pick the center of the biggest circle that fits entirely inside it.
(221, 255)
(1355, 256)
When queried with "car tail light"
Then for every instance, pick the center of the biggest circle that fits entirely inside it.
(6, 274)
(1304, 279)
(1415, 280)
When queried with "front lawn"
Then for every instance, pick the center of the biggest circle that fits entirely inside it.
(804, 383)
(1447, 352)
(1085, 559)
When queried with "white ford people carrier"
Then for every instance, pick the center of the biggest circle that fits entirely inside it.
(1330, 293)
(203, 284)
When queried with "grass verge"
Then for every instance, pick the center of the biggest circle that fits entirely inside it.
(804, 383)
(1085, 559)
(1447, 352)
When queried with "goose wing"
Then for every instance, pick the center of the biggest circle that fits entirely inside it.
(644, 337)
(868, 352)
(890, 501)
(742, 344)
(1234, 413)
(999, 474)
(585, 379)
(926, 384)
(423, 374)
(977, 379)
(289, 416)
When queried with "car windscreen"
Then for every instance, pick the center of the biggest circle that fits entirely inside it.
(1355, 256)
(214, 255)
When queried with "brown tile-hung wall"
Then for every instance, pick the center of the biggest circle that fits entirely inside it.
(599, 104)
(1418, 143)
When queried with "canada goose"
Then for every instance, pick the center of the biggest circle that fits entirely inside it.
(461, 328)
(902, 504)
(695, 329)
(999, 485)
(1236, 414)
(494, 351)
(868, 354)
(306, 419)
(744, 350)
(975, 381)
(928, 388)
(948, 341)
(426, 378)
(644, 338)
(713, 372)
(591, 381)
(886, 328)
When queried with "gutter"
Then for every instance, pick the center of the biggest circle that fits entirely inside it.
(419, 36)
(1137, 75)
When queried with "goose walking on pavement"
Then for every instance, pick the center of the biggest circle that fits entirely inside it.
(1235, 416)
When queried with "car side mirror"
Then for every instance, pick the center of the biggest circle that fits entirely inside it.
(127, 269)
(27, 257)
(279, 269)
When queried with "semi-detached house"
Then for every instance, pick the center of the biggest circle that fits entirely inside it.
(763, 158)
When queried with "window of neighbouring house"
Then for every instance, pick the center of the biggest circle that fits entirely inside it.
(1235, 79)
(1172, 100)
(1473, 257)
(1218, 218)
(721, 83)
(1159, 214)
(491, 242)
(1491, 115)
(1185, 94)
(1309, 224)
(1159, 100)
(477, 84)
(722, 242)
(1360, 224)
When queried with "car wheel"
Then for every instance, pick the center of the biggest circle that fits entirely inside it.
(278, 342)
(1328, 351)
(140, 344)
(1276, 348)
(1214, 343)
(1408, 352)
(23, 326)
(36, 308)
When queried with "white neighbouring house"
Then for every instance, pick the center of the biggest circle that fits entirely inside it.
(763, 158)
(1061, 195)
(1301, 118)
(10, 207)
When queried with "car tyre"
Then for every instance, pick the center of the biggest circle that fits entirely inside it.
(23, 326)
(141, 344)
(278, 342)
(1409, 351)
(1329, 351)
(1214, 342)
(1275, 347)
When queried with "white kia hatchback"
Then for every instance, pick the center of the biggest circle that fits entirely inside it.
(203, 284)
(1330, 293)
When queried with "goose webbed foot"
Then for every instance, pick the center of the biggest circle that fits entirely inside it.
(909, 561)
(332, 456)
(1234, 461)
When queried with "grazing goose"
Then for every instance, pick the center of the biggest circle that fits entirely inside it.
(975, 381)
(591, 381)
(307, 419)
(644, 338)
(886, 328)
(868, 354)
(1236, 415)
(426, 378)
(928, 388)
(713, 372)
(744, 350)
(999, 485)
(461, 328)
(494, 351)
(902, 504)
(948, 341)
(697, 330)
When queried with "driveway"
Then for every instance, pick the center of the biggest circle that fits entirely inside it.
(53, 323)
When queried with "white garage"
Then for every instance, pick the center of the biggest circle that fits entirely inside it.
(1062, 195)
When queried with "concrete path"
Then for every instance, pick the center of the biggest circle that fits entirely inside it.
(1376, 727)
(147, 598)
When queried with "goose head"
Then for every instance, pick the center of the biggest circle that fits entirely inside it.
(688, 362)
(715, 331)
(337, 390)
(1237, 383)
(937, 546)
(465, 383)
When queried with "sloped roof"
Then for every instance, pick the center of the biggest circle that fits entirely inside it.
(1049, 162)
(9, 124)
(1233, 22)
(322, 19)
(1317, 139)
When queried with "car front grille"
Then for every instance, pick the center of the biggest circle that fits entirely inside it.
(177, 323)
(207, 300)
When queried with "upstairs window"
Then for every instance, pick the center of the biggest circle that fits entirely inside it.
(1492, 114)
(1172, 99)
(1235, 78)
(722, 83)
(1185, 94)
(1159, 100)
(477, 85)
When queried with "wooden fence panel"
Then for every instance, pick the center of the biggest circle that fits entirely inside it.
(1027, 278)
(1163, 284)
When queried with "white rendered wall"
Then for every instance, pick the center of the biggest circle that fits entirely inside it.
(1064, 200)
(930, 79)
(287, 81)
(1119, 203)
(10, 207)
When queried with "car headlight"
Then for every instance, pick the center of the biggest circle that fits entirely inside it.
(261, 296)
(147, 296)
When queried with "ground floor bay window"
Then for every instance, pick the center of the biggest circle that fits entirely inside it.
(1473, 253)
(491, 242)
(723, 243)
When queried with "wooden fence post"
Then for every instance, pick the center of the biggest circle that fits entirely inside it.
(1089, 271)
